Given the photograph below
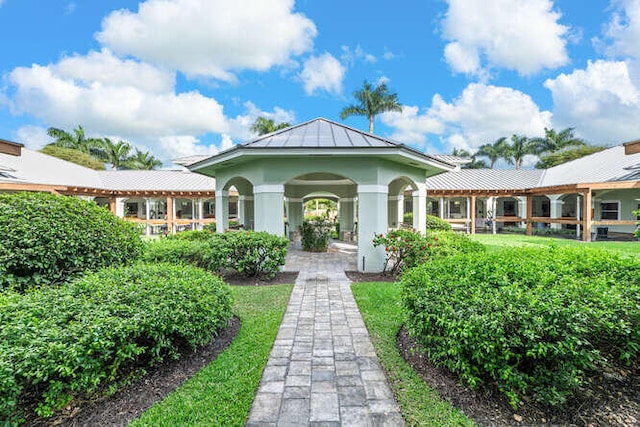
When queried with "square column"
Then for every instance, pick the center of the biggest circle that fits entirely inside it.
(269, 208)
(372, 220)
(222, 211)
(347, 215)
(245, 211)
(420, 209)
(295, 215)
(392, 212)
(522, 209)
(555, 205)
(400, 210)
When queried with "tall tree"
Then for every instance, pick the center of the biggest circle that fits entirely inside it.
(474, 164)
(73, 156)
(117, 154)
(263, 126)
(520, 146)
(142, 160)
(554, 141)
(371, 102)
(76, 140)
(493, 152)
(564, 156)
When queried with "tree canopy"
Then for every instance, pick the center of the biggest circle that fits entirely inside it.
(74, 156)
(263, 126)
(371, 102)
(564, 156)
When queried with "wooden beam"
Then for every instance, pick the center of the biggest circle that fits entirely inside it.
(632, 147)
(44, 188)
(615, 222)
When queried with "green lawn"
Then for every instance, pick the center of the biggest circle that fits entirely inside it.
(380, 306)
(222, 392)
(499, 241)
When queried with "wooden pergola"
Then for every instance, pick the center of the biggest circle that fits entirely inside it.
(585, 190)
(171, 221)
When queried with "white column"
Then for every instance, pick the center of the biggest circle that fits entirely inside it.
(441, 208)
(269, 208)
(222, 210)
(147, 204)
(240, 209)
(555, 205)
(522, 209)
(420, 208)
(400, 209)
(578, 207)
(347, 217)
(372, 220)
(120, 203)
(491, 201)
(392, 212)
(200, 214)
(295, 215)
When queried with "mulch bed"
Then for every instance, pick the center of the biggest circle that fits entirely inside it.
(612, 399)
(357, 276)
(132, 400)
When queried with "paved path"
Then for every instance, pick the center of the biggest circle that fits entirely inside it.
(323, 369)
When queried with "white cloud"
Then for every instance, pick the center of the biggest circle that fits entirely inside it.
(481, 114)
(350, 56)
(70, 8)
(211, 38)
(410, 126)
(240, 126)
(602, 101)
(34, 137)
(322, 72)
(520, 35)
(623, 30)
(176, 146)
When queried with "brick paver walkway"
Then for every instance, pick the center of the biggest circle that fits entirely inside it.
(323, 369)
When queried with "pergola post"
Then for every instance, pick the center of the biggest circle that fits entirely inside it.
(347, 215)
(170, 206)
(473, 214)
(529, 215)
(112, 205)
(222, 210)
(587, 216)
(372, 220)
(269, 208)
(420, 208)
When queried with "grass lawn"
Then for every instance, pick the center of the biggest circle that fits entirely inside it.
(380, 306)
(222, 392)
(498, 241)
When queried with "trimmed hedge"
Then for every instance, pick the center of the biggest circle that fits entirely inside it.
(530, 320)
(47, 239)
(437, 224)
(56, 343)
(249, 253)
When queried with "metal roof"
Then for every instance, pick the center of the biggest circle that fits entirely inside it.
(608, 165)
(33, 167)
(165, 180)
(485, 179)
(325, 136)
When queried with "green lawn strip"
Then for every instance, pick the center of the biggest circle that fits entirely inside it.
(222, 392)
(495, 242)
(381, 309)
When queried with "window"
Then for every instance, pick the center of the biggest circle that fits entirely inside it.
(131, 209)
(610, 210)
(455, 206)
(509, 207)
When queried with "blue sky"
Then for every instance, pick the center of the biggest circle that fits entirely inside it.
(183, 77)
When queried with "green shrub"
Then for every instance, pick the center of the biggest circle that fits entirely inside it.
(315, 235)
(92, 333)
(249, 253)
(529, 320)
(437, 224)
(254, 253)
(408, 248)
(46, 239)
(407, 218)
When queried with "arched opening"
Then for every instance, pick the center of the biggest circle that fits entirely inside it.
(400, 205)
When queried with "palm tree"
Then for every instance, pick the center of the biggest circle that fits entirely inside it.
(263, 126)
(493, 151)
(142, 160)
(372, 102)
(116, 154)
(520, 146)
(554, 141)
(76, 140)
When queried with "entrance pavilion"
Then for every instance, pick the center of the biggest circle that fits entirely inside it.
(367, 174)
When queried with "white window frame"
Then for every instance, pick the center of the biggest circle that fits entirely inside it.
(617, 202)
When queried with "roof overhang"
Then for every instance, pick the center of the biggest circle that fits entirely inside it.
(240, 154)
